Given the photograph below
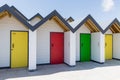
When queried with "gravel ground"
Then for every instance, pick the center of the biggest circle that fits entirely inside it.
(82, 71)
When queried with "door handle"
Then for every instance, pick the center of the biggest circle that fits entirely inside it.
(52, 45)
(13, 45)
(105, 44)
(81, 44)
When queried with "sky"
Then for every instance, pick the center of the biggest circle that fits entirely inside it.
(103, 11)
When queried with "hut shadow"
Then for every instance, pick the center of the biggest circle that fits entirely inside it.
(53, 69)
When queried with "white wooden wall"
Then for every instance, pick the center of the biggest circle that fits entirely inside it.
(32, 50)
(6, 25)
(116, 45)
(35, 21)
(108, 31)
(70, 48)
(43, 40)
(97, 52)
(82, 29)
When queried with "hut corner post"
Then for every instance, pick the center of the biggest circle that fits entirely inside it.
(70, 48)
(32, 50)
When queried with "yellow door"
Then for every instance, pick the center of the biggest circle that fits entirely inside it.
(19, 49)
(108, 46)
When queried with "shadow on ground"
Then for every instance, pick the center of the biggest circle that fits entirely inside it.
(52, 69)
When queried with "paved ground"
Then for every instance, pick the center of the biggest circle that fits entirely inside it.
(83, 71)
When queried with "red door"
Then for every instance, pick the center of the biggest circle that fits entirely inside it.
(57, 48)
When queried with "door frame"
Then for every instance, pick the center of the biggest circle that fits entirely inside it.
(11, 42)
(50, 43)
(80, 45)
(112, 45)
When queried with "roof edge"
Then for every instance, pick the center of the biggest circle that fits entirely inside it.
(49, 16)
(36, 15)
(85, 19)
(112, 22)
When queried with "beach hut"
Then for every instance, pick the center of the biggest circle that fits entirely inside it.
(14, 32)
(112, 38)
(16, 41)
(89, 41)
(55, 40)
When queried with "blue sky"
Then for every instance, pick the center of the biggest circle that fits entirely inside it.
(104, 11)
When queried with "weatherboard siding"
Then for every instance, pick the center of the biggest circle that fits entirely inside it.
(32, 50)
(35, 21)
(6, 25)
(108, 31)
(70, 48)
(43, 40)
(97, 52)
(82, 29)
(116, 45)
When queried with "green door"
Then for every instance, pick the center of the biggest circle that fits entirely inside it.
(85, 47)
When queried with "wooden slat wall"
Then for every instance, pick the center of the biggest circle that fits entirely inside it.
(91, 26)
(59, 22)
(91, 30)
(115, 28)
(5, 13)
(112, 30)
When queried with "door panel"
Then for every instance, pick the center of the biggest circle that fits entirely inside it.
(57, 48)
(85, 47)
(19, 49)
(108, 46)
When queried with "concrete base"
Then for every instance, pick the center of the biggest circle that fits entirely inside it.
(116, 59)
(70, 65)
(97, 62)
(32, 70)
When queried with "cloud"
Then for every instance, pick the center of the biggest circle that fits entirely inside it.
(107, 5)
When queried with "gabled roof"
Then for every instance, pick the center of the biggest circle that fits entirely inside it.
(90, 19)
(11, 11)
(18, 12)
(114, 26)
(51, 15)
(37, 15)
(70, 19)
